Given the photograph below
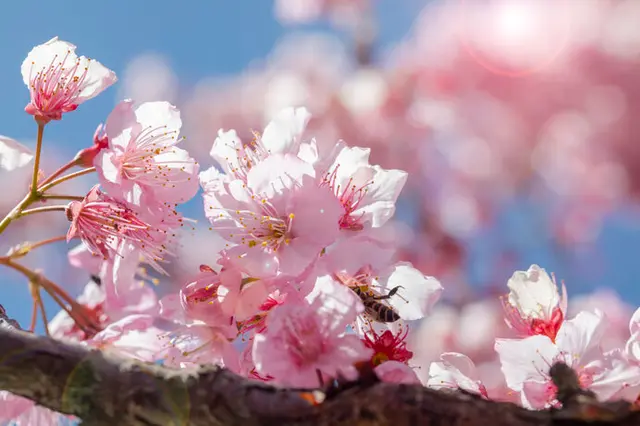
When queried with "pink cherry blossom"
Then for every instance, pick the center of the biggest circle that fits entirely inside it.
(201, 344)
(526, 363)
(59, 80)
(304, 338)
(283, 135)
(455, 371)
(142, 163)
(533, 305)
(283, 221)
(367, 193)
(135, 336)
(388, 346)
(103, 222)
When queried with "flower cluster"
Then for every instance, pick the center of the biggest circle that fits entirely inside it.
(306, 290)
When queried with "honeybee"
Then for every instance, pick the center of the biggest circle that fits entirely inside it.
(373, 306)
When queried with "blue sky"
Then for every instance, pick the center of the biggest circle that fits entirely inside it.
(203, 38)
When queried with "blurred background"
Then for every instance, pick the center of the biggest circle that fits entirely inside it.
(517, 121)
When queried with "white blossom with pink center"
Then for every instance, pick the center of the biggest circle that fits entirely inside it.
(526, 363)
(59, 80)
(533, 306)
(367, 193)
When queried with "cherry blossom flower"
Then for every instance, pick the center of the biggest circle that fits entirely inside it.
(388, 346)
(367, 193)
(533, 305)
(282, 222)
(197, 344)
(135, 336)
(102, 222)
(304, 338)
(283, 135)
(526, 363)
(142, 163)
(455, 371)
(59, 80)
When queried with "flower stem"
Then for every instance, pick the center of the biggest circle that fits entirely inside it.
(65, 178)
(26, 201)
(60, 171)
(36, 163)
(61, 197)
(42, 209)
(76, 311)
(47, 241)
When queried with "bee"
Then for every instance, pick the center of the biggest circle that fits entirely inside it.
(377, 310)
(373, 306)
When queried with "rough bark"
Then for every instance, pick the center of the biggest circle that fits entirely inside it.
(102, 389)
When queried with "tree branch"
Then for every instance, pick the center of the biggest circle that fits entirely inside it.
(104, 389)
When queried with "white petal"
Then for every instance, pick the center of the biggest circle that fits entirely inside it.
(581, 334)
(526, 359)
(224, 149)
(159, 115)
(418, 293)
(44, 54)
(13, 154)
(379, 201)
(283, 133)
(533, 293)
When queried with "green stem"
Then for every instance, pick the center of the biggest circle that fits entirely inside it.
(65, 178)
(36, 163)
(42, 209)
(76, 311)
(61, 197)
(60, 171)
(26, 201)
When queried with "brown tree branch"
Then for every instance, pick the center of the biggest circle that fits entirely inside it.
(104, 389)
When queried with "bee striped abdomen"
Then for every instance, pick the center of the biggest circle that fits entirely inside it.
(380, 312)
